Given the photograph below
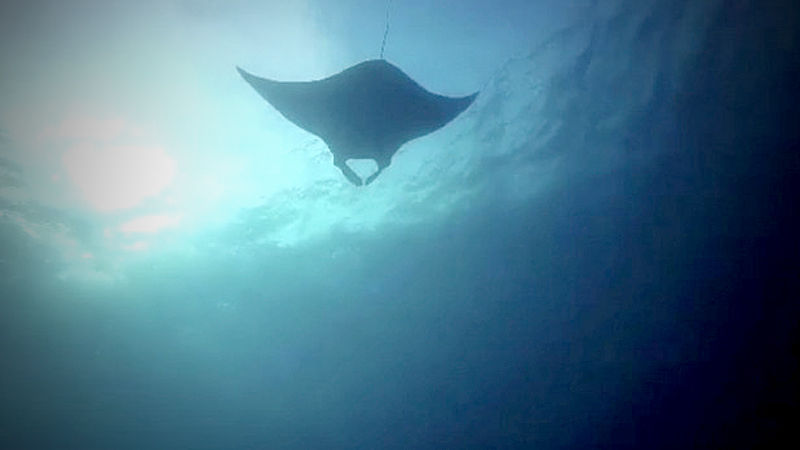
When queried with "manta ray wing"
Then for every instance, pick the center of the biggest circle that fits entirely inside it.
(366, 111)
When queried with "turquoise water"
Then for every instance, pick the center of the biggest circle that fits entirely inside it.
(600, 252)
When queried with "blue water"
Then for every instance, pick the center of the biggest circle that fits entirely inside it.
(601, 252)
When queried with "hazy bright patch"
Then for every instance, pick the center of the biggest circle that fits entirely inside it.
(118, 177)
(150, 224)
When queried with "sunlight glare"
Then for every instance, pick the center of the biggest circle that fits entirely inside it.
(112, 178)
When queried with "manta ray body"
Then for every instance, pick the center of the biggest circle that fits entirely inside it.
(367, 111)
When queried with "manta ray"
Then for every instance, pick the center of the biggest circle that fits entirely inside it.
(367, 111)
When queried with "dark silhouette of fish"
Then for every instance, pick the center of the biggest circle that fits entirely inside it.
(367, 111)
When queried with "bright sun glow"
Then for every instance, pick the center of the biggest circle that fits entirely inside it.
(149, 224)
(118, 177)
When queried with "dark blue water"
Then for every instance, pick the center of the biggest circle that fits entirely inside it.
(647, 298)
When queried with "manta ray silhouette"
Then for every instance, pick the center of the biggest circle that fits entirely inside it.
(367, 111)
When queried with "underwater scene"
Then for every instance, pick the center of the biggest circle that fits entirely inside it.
(402, 224)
